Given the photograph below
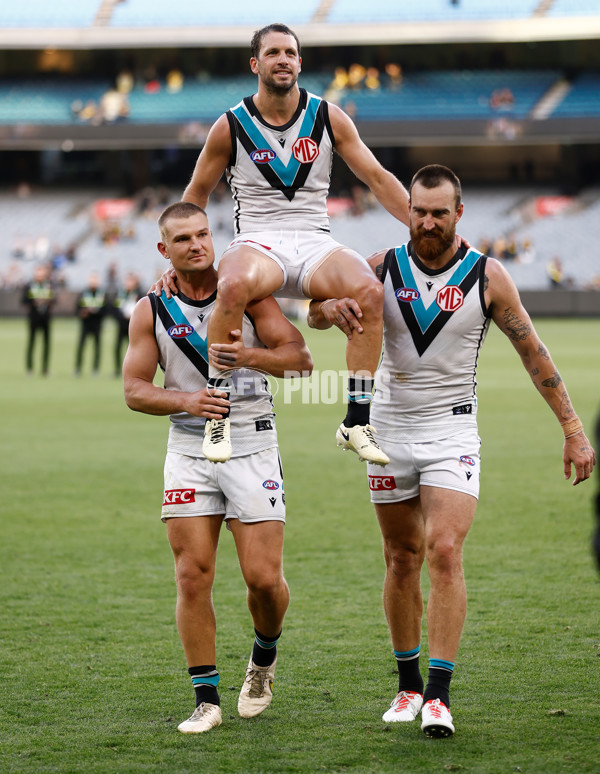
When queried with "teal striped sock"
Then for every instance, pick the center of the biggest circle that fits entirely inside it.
(438, 683)
(409, 674)
(205, 680)
(265, 649)
(359, 400)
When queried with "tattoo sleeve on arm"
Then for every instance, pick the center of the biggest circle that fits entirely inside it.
(379, 271)
(515, 327)
(486, 282)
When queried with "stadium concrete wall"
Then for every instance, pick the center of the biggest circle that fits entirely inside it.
(539, 303)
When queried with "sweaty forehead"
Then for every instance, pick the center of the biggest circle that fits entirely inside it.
(441, 197)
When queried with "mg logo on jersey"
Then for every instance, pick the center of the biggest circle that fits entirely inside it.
(381, 483)
(179, 496)
(180, 331)
(270, 484)
(408, 294)
(450, 298)
(305, 150)
(263, 156)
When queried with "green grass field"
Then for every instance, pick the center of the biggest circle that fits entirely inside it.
(93, 675)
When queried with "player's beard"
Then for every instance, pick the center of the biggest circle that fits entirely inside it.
(429, 245)
(279, 89)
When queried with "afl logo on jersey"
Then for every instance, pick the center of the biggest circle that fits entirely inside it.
(450, 298)
(408, 294)
(263, 156)
(270, 484)
(305, 150)
(466, 460)
(180, 331)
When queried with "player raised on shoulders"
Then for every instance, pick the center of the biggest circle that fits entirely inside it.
(276, 148)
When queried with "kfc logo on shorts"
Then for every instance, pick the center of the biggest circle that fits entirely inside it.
(263, 156)
(381, 483)
(179, 496)
(450, 298)
(466, 460)
(305, 150)
(180, 331)
(408, 294)
(270, 484)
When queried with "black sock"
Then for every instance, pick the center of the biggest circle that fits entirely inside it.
(438, 682)
(205, 680)
(265, 649)
(359, 401)
(224, 384)
(409, 674)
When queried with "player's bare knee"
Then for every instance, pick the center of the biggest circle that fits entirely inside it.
(265, 583)
(369, 296)
(193, 579)
(404, 560)
(444, 557)
(233, 291)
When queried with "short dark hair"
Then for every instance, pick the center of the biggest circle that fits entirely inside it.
(178, 210)
(258, 36)
(435, 174)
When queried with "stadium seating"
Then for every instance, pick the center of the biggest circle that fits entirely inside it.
(64, 218)
(153, 13)
(583, 100)
(357, 11)
(43, 14)
(574, 8)
(184, 13)
(435, 95)
(41, 102)
(452, 95)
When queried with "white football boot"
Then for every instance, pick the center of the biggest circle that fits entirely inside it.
(437, 720)
(216, 445)
(204, 717)
(257, 690)
(405, 707)
(360, 439)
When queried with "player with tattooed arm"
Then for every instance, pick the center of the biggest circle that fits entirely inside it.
(439, 300)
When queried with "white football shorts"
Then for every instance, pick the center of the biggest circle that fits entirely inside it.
(248, 488)
(298, 253)
(451, 463)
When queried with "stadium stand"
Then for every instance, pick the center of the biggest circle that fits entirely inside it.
(151, 13)
(357, 11)
(583, 98)
(466, 94)
(42, 14)
(40, 102)
(564, 8)
(431, 96)
(442, 110)
(63, 220)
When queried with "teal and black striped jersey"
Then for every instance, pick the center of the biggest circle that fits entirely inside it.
(435, 322)
(180, 328)
(280, 175)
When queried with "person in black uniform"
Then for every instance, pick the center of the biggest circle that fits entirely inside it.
(39, 298)
(90, 309)
(123, 306)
